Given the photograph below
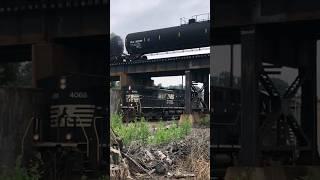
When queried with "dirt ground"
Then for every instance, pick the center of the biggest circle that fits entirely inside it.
(189, 157)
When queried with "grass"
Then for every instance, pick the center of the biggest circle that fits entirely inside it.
(20, 173)
(140, 131)
(137, 131)
(205, 121)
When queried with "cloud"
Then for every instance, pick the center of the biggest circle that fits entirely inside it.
(127, 16)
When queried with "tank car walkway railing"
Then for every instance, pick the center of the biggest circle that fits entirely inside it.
(195, 18)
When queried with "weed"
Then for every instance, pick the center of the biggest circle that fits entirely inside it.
(140, 131)
(186, 127)
(205, 121)
(21, 173)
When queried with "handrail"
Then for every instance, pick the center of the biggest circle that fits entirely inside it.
(25, 134)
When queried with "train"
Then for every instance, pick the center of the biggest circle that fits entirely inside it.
(72, 140)
(193, 34)
(154, 103)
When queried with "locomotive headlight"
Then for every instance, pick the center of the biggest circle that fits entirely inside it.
(130, 104)
(36, 137)
(63, 83)
(68, 136)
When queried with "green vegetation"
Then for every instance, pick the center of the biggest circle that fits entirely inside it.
(141, 132)
(167, 134)
(20, 173)
(205, 121)
(130, 132)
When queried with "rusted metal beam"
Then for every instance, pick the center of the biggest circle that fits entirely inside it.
(165, 66)
(41, 26)
(233, 13)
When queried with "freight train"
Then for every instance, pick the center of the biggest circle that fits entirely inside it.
(72, 140)
(154, 103)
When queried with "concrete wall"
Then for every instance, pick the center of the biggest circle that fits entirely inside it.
(115, 97)
(17, 106)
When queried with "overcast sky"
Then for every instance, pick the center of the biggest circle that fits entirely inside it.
(128, 16)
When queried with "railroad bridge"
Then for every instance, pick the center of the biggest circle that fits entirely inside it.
(281, 33)
(195, 68)
(59, 37)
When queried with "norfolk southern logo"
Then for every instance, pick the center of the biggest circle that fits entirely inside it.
(71, 115)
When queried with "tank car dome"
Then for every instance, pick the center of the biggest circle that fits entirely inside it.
(116, 45)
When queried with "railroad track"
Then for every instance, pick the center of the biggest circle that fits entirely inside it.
(179, 58)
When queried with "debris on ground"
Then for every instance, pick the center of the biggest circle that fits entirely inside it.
(183, 159)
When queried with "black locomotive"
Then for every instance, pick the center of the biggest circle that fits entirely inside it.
(72, 140)
(154, 103)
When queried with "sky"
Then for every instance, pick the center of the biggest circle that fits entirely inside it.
(128, 16)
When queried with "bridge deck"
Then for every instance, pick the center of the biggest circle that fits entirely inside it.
(164, 66)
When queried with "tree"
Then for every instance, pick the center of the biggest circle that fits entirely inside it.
(16, 74)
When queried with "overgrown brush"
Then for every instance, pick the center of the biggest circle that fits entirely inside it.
(205, 121)
(198, 161)
(20, 173)
(140, 131)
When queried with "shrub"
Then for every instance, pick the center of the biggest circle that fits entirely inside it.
(140, 131)
(205, 121)
(21, 173)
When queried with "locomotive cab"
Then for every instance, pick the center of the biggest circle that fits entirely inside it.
(76, 122)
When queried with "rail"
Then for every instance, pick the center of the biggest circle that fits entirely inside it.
(179, 58)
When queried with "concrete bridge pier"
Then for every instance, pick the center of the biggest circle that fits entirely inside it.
(127, 80)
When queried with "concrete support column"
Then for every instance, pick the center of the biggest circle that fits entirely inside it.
(125, 80)
(206, 90)
(188, 104)
(135, 80)
(250, 65)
